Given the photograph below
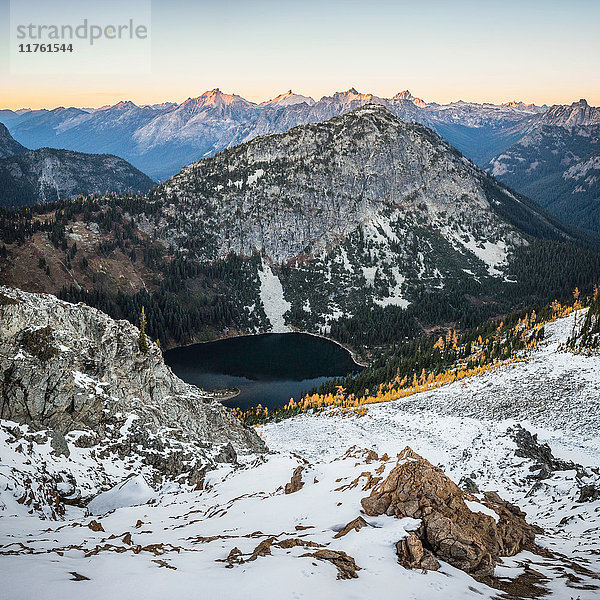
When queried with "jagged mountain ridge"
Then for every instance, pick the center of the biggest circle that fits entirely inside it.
(160, 139)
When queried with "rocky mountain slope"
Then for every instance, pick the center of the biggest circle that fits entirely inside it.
(555, 162)
(361, 209)
(507, 503)
(37, 176)
(160, 139)
(79, 381)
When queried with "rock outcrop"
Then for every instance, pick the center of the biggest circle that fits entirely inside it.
(412, 555)
(469, 533)
(296, 482)
(70, 370)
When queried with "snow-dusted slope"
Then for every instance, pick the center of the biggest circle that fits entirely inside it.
(243, 537)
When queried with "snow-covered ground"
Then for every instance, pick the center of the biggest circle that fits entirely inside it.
(175, 546)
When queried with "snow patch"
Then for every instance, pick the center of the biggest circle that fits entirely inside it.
(255, 176)
(481, 508)
(132, 492)
(274, 303)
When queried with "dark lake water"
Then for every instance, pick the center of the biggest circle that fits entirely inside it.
(268, 369)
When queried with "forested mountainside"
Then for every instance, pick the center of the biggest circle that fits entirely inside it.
(557, 163)
(36, 176)
(365, 228)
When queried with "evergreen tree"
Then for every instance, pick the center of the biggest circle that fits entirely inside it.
(142, 340)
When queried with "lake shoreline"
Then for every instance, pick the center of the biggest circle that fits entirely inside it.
(358, 361)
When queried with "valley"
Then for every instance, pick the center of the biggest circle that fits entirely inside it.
(306, 515)
(267, 238)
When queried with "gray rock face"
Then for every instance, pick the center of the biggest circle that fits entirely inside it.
(68, 367)
(300, 191)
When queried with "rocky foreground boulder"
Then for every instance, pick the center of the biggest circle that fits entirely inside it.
(71, 370)
(468, 532)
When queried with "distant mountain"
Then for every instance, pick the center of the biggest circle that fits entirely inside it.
(37, 176)
(162, 138)
(288, 99)
(555, 162)
(406, 95)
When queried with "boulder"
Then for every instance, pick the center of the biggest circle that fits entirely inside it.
(296, 482)
(469, 533)
(344, 563)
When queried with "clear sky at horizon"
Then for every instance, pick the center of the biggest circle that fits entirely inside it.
(536, 51)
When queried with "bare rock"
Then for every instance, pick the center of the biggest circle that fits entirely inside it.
(345, 564)
(412, 555)
(235, 557)
(471, 541)
(354, 525)
(296, 482)
(263, 549)
(468, 485)
(95, 525)
(589, 493)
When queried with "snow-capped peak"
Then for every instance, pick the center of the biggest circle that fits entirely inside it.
(288, 99)
(214, 98)
(352, 95)
(121, 105)
(406, 95)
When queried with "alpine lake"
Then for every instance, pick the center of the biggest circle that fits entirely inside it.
(266, 369)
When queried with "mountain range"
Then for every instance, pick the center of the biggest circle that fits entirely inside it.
(160, 139)
(547, 153)
(557, 163)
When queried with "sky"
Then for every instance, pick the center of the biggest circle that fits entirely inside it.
(535, 51)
